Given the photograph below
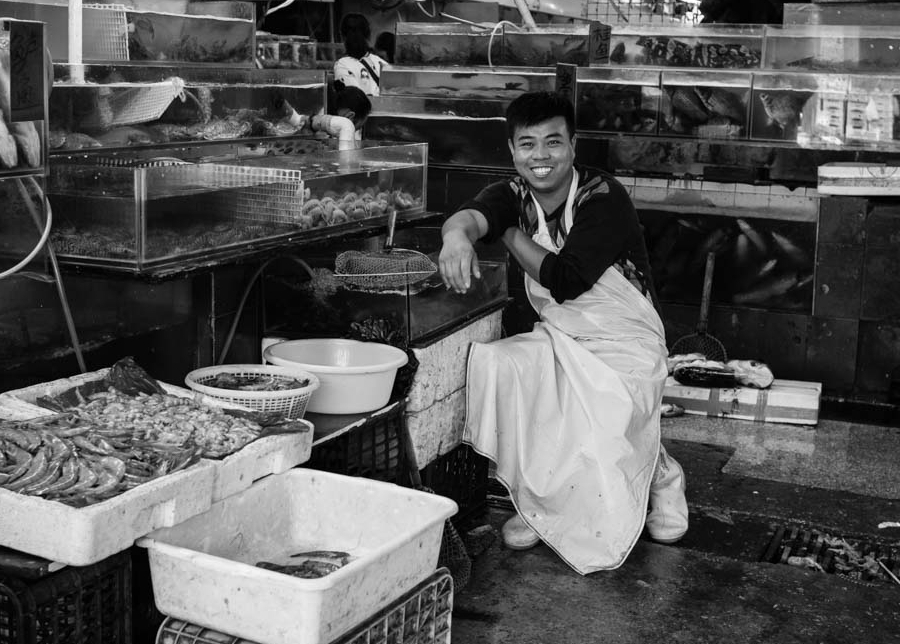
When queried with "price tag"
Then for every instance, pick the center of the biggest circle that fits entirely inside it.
(26, 61)
(565, 80)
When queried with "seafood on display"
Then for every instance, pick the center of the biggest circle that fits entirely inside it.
(65, 459)
(310, 565)
(671, 52)
(706, 111)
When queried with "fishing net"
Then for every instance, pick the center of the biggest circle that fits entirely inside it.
(383, 270)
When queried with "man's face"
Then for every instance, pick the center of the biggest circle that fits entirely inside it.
(543, 154)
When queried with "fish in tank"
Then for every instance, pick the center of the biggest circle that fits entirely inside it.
(447, 49)
(545, 49)
(759, 262)
(704, 111)
(778, 113)
(611, 107)
(668, 51)
(83, 117)
(160, 36)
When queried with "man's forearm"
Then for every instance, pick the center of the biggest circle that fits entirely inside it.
(468, 222)
(529, 255)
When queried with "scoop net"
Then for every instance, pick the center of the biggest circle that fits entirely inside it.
(383, 270)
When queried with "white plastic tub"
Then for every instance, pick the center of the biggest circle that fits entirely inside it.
(204, 568)
(354, 377)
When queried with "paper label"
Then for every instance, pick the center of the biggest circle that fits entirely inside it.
(26, 62)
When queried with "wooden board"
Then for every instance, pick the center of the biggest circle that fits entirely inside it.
(786, 401)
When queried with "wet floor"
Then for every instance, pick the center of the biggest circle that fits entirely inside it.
(747, 483)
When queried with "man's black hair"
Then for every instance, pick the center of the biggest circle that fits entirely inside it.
(532, 108)
(352, 98)
(355, 32)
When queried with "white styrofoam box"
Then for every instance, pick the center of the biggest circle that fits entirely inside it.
(859, 179)
(268, 455)
(442, 364)
(83, 536)
(204, 571)
(438, 429)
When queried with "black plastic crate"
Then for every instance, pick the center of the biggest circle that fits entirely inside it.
(83, 605)
(462, 475)
(420, 616)
(374, 448)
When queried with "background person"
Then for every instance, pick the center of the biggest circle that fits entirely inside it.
(360, 67)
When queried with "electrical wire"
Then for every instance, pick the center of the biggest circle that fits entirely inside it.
(283, 5)
(45, 234)
(57, 276)
(494, 32)
(246, 294)
(433, 9)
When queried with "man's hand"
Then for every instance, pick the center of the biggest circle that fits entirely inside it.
(458, 261)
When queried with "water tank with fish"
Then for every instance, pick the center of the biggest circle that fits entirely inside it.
(708, 104)
(617, 99)
(495, 84)
(711, 46)
(123, 106)
(323, 305)
(803, 107)
(832, 48)
(164, 213)
(451, 43)
(760, 262)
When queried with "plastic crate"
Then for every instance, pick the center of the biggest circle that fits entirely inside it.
(462, 475)
(84, 605)
(421, 616)
(374, 447)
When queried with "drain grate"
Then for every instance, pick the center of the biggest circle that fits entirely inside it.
(855, 559)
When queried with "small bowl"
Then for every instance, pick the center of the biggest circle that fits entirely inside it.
(354, 377)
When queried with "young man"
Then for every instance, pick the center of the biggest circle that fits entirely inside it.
(570, 411)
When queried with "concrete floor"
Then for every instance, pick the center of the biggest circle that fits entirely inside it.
(744, 480)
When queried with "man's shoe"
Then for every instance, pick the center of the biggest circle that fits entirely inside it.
(517, 535)
(667, 521)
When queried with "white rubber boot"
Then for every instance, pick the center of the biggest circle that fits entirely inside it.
(517, 535)
(667, 521)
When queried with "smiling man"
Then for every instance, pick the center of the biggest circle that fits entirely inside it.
(569, 411)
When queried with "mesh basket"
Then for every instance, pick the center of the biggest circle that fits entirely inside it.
(380, 270)
(290, 403)
(421, 616)
(132, 103)
(643, 12)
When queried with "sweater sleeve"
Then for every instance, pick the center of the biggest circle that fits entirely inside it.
(499, 205)
(604, 226)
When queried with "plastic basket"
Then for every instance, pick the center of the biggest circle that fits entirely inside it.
(74, 605)
(291, 403)
(421, 616)
(374, 448)
(462, 475)
(133, 103)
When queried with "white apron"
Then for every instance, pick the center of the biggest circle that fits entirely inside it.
(570, 413)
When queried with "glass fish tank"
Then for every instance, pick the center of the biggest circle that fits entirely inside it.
(153, 215)
(708, 105)
(832, 48)
(451, 43)
(148, 31)
(617, 99)
(23, 98)
(670, 45)
(321, 304)
(125, 106)
(806, 108)
(23, 220)
(285, 52)
(474, 83)
(760, 262)
(451, 139)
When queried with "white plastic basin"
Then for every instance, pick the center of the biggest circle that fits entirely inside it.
(354, 377)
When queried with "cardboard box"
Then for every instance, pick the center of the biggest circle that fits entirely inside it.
(786, 401)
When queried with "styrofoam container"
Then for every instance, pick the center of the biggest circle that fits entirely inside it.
(268, 455)
(354, 377)
(82, 536)
(204, 569)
